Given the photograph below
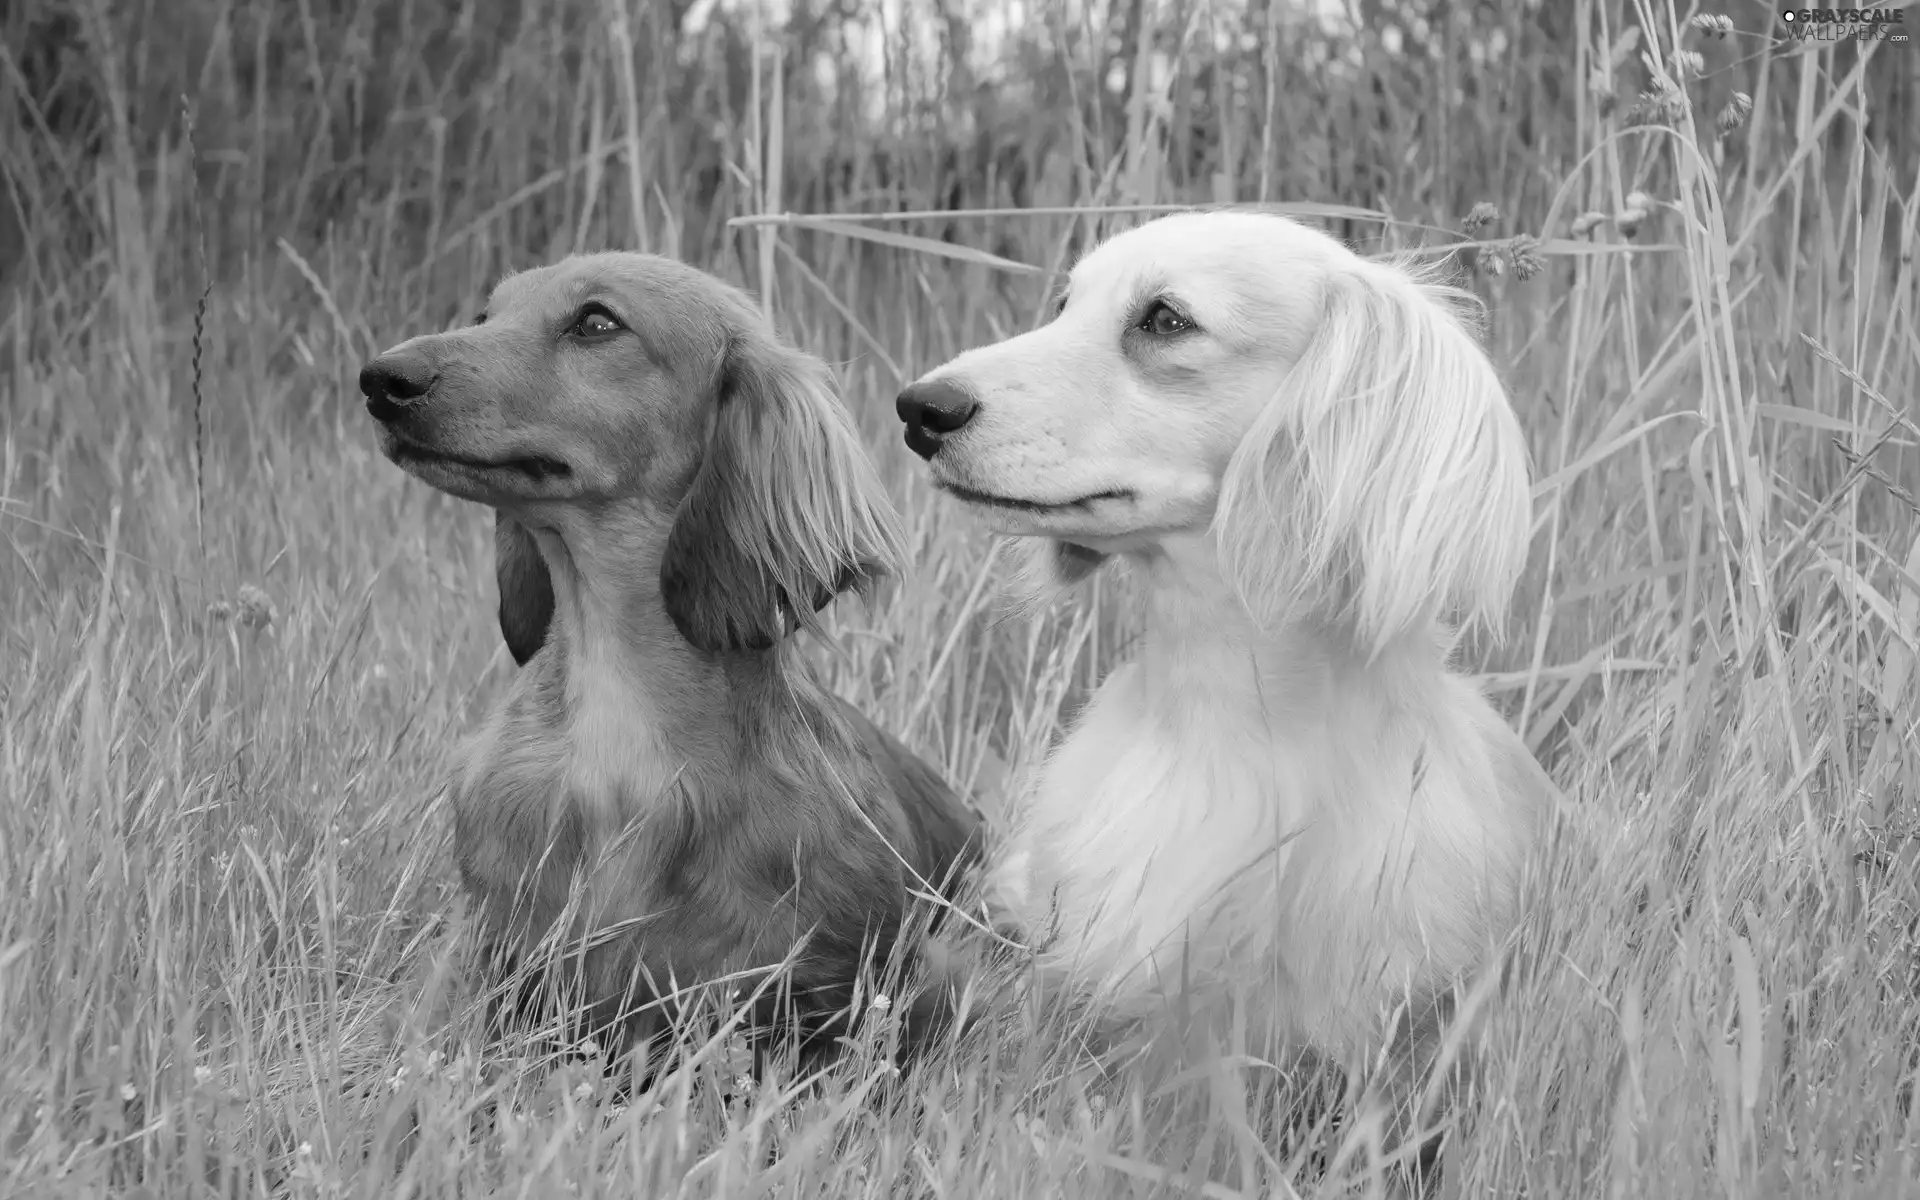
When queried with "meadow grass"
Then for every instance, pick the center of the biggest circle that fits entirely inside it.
(237, 642)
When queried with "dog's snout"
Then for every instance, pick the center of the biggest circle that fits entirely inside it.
(933, 410)
(393, 381)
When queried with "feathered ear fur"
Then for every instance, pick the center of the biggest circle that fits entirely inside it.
(1386, 482)
(526, 591)
(786, 511)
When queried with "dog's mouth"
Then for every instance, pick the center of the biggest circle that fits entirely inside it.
(535, 468)
(1017, 504)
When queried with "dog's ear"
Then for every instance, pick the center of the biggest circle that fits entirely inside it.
(785, 512)
(1386, 482)
(526, 591)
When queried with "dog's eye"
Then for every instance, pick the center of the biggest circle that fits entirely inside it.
(481, 319)
(1163, 320)
(595, 321)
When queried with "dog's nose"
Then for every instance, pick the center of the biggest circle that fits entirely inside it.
(393, 381)
(933, 410)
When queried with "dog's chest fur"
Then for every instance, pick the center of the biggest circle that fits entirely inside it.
(689, 840)
(1227, 814)
(562, 767)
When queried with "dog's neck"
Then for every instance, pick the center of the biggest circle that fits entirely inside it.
(640, 702)
(1201, 638)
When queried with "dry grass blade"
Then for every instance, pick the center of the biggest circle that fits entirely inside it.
(1302, 209)
(1150, 1173)
(905, 241)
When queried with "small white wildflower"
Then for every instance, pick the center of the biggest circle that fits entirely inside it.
(202, 1075)
(256, 608)
(129, 1093)
(590, 1048)
(1689, 63)
(305, 1150)
(398, 1078)
(1638, 207)
(583, 1091)
(882, 1001)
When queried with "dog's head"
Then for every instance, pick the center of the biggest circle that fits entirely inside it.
(646, 415)
(1332, 421)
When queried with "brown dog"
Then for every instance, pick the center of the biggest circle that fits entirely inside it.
(665, 796)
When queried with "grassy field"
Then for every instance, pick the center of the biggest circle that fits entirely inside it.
(236, 642)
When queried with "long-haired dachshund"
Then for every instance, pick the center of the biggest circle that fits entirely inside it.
(1312, 465)
(664, 793)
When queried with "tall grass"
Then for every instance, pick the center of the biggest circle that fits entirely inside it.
(237, 642)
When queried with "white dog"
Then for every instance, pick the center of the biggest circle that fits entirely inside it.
(1286, 794)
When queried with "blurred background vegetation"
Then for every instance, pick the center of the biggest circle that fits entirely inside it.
(236, 642)
(431, 146)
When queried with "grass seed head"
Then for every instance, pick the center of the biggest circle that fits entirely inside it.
(1734, 113)
(1663, 105)
(1523, 252)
